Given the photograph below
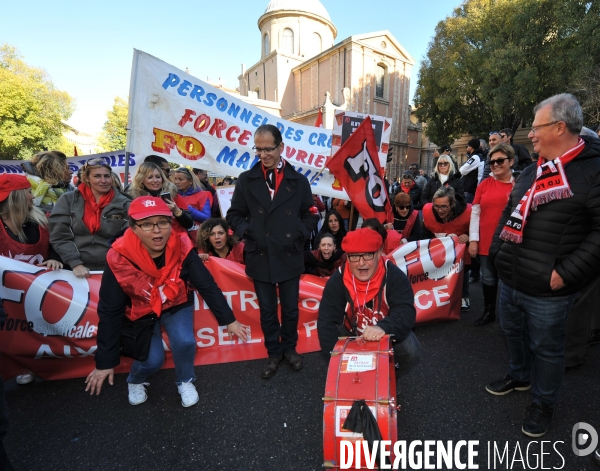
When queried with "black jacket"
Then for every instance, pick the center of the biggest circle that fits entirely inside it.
(562, 235)
(274, 231)
(400, 224)
(434, 185)
(398, 294)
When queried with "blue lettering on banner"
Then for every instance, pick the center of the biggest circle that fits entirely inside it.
(246, 115)
(182, 90)
(222, 104)
(197, 93)
(172, 81)
(210, 99)
(256, 120)
(11, 169)
(312, 138)
(298, 136)
(227, 155)
(233, 110)
(243, 161)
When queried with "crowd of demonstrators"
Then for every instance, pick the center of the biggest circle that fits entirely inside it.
(418, 175)
(326, 258)
(192, 198)
(151, 257)
(490, 200)
(449, 214)
(334, 225)
(444, 174)
(546, 248)
(150, 180)
(272, 209)
(84, 221)
(472, 169)
(369, 297)
(216, 239)
(50, 177)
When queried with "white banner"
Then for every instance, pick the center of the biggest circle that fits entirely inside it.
(188, 121)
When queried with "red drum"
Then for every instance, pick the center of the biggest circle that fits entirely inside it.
(358, 370)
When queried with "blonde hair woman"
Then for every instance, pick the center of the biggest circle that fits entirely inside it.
(444, 174)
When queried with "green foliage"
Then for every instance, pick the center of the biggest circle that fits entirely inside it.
(32, 110)
(492, 61)
(114, 131)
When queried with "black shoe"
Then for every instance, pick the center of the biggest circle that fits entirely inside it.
(537, 421)
(294, 360)
(596, 456)
(505, 385)
(270, 368)
(489, 315)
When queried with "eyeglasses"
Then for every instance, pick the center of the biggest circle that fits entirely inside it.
(441, 207)
(503, 136)
(498, 162)
(149, 226)
(96, 162)
(535, 129)
(266, 150)
(399, 207)
(494, 132)
(355, 257)
(443, 164)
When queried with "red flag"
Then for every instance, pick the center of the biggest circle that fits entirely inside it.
(75, 151)
(356, 166)
(319, 121)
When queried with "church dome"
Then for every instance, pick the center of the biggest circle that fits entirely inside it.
(314, 7)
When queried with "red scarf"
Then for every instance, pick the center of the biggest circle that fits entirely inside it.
(550, 184)
(274, 177)
(362, 292)
(165, 285)
(406, 189)
(92, 211)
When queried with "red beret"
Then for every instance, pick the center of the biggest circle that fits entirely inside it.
(148, 206)
(10, 183)
(362, 240)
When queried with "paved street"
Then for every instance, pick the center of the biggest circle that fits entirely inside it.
(246, 423)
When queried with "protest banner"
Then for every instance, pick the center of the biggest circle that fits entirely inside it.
(190, 122)
(52, 320)
(116, 159)
(224, 195)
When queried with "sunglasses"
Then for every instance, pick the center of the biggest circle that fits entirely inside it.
(494, 132)
(399, 207)
(498, 162)
(96, 162)
(443, 164)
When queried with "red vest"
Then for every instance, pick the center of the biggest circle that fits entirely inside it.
(458, 226)
(392, 241)
(375, 310)
(28, 253)
(136, 283)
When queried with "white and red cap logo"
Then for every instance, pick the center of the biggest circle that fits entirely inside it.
(148, 206)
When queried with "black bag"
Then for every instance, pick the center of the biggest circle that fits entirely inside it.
(136, 337)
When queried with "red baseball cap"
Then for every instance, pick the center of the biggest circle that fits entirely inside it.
(362, 240)
(10, 183)
(148, 206)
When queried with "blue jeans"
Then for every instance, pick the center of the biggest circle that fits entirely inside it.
(489, 275)
(535, 331)
(180, 330)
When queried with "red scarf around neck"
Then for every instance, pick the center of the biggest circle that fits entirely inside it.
(166, 278)
(550, 184)
(273, 185)
(406, 189)
(92, 211)
(362, 292)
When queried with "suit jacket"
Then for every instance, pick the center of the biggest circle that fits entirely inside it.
(274, 231)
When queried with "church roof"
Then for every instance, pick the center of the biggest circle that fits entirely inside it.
(310, 6)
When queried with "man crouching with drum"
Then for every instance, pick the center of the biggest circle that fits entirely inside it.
(146, 276)
(370, 297)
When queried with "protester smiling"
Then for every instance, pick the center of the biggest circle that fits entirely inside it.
(192, 198)
(490, 200)
(147, 276)
(83, 221)
(445, 174)
(50, 177)
(217, 240)
(150, 180)
(449, 214)
(407, 220)
(326, 258)
(334, 225)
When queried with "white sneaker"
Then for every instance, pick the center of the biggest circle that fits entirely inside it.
(189, 395)
(25, 379)
(137, 393)
(465, 304)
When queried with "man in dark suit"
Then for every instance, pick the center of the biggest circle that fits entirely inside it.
(271, 210)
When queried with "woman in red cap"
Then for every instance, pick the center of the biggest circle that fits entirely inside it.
(23, 232)
(83, 221)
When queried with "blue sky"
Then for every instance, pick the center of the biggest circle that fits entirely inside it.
(86, 47)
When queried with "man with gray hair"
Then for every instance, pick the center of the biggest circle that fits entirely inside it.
(546, 248)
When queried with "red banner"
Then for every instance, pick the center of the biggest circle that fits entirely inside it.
(356, 167)
(52, 321)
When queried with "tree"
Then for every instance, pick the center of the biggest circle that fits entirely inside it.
(32, 110)
(114, 131)
(492, 61)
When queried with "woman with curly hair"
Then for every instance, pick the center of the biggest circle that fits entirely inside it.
(150, 180)
(50, 176)
(216, 239)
